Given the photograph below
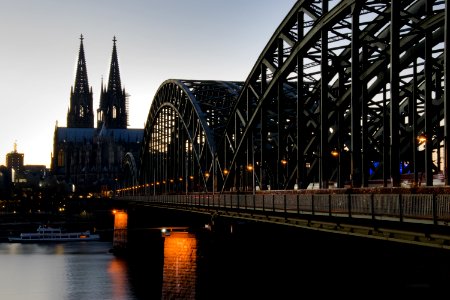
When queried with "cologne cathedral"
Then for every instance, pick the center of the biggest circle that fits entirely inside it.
(89, 158)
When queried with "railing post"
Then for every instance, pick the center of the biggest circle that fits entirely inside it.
(245, 202)
(312, 205)
(372, 206)
(435, 217)
(349, 205)
(231, 201)
(298, 204)
(400, 207)
(273, 202)
(329, 205)
(225, 201)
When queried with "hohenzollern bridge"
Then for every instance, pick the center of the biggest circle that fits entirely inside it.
(347, 97)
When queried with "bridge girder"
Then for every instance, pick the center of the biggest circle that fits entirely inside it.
(130, 176)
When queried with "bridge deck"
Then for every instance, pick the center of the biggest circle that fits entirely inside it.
(417, 216)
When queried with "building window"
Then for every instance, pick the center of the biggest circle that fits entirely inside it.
(114, 112)
(61, 158)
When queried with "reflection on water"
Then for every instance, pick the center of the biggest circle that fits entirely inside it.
(180, 266)
(117, 269)
(62, 271)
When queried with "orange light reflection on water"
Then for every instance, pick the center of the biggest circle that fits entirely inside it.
(117, 270)
(180, 266)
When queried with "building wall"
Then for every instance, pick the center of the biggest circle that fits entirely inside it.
(91, 164)
(14, 160)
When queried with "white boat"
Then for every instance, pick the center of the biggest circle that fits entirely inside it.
(51, 234)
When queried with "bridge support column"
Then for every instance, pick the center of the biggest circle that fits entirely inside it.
(120, 238)
(356, 141)
(394, 91)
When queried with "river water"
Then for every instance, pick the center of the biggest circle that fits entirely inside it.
(260, 266)
(62, 271)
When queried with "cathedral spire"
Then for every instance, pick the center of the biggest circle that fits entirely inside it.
(114, 84)
(81, 78)
(113, 110)
(80, 113)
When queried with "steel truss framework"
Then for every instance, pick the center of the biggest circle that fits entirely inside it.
(186, 119)
(344, 92)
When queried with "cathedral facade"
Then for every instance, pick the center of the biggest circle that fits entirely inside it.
(90, 158)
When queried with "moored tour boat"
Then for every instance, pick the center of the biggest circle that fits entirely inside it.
(51, 234)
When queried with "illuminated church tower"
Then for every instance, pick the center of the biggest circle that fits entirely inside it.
(113, 110)
(80, 114)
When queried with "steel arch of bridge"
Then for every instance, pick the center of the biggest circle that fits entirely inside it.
(130, 176)
(341, 93)
(179, 148)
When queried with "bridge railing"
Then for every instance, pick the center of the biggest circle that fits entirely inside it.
(423, 208)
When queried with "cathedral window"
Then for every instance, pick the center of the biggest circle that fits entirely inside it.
(114, 112)
(81, 111)
(61, 158)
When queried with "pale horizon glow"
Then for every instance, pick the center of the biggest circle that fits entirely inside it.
(156, 41)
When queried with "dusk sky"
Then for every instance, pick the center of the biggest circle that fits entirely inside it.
(156, 40)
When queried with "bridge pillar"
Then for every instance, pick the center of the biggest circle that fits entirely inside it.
(120, 238)
(356, 141)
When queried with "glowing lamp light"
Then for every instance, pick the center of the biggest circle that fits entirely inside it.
(165, 231)
(422, 138)
(249, 168)
(284, 162)
(225, 172)
(334, 153)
